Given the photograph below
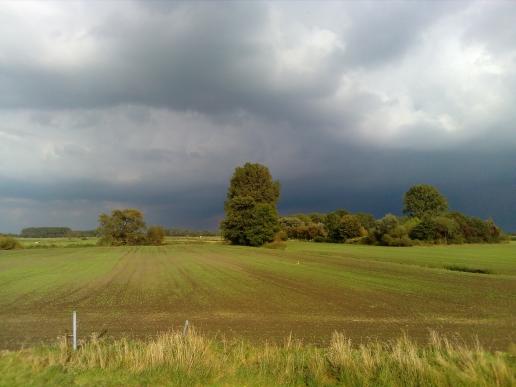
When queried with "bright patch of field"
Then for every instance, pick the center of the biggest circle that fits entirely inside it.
(30, 243)
(308, 289)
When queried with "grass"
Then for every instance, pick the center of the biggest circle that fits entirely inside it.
(371, 293)
(174, 359)
(33, 243)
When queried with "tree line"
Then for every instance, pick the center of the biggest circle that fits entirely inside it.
(252, 218)
(55, 232)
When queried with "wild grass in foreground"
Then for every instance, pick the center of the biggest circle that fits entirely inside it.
(171, 359)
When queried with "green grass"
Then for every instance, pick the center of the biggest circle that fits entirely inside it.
(309, 289)
(174, 359)
(32, 243)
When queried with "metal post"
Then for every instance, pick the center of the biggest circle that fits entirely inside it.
(74, 330)
(185, 329)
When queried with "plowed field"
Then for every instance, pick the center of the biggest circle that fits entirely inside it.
(308, 289)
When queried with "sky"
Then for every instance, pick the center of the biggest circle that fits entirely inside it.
(153, 104)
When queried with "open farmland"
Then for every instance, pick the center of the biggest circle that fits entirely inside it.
(308, 289)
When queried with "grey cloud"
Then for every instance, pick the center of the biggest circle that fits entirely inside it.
(344, 101)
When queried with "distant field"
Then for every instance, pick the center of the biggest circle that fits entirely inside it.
(57, 242)
(308, 289)
(92, 241)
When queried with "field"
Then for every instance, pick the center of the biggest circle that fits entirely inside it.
(308, 289)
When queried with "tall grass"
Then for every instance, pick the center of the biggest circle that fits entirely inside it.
(195, 359)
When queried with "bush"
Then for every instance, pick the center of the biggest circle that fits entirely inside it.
(342, 226)
(155, 235)
(281, 235)
(9, 243)
(475, 230)
(389, 232)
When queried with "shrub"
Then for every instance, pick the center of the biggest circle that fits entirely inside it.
(281, 235)
(475, 230)
(389, 232)
(155, 235)
(9, 243)
(342, 226)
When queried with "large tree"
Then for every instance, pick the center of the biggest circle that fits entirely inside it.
(423, 200)
(251, 215)
(122, 227)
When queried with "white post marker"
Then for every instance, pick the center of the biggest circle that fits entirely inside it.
(74, 330)
(185, 329)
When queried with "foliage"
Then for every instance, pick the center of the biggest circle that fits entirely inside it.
(251, 216)
(439, 229)
(122, 227)
(342, 226)
(249, 223)
(9, 243)
(389, 231)
(281, 235)
(45, 232)
(367, 221)
(302, 227)
(255, 181)
(350, 226)
(423, 200)
(83, 233)
(474, 230)
(333, 226)
(155, 235)
(189, 232)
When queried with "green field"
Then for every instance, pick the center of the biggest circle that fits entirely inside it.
(308, 289)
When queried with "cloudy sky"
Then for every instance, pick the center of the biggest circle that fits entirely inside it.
(153, 104)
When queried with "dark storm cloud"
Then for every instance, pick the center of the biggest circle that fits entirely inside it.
(152, 104)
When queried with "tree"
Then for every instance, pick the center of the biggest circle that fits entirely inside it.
(350, 226)
(332, 223)
(367, 221)
(251, 216)
(122, 227)
(46, 232)
(155, 235)
(341, 226)
(424, 200)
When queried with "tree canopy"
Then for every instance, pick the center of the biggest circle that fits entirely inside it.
(255, 181)
(46, 232)
(423, 200)
(122, 227)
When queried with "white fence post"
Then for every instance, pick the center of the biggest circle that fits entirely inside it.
(185, 328)
(74, 330)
